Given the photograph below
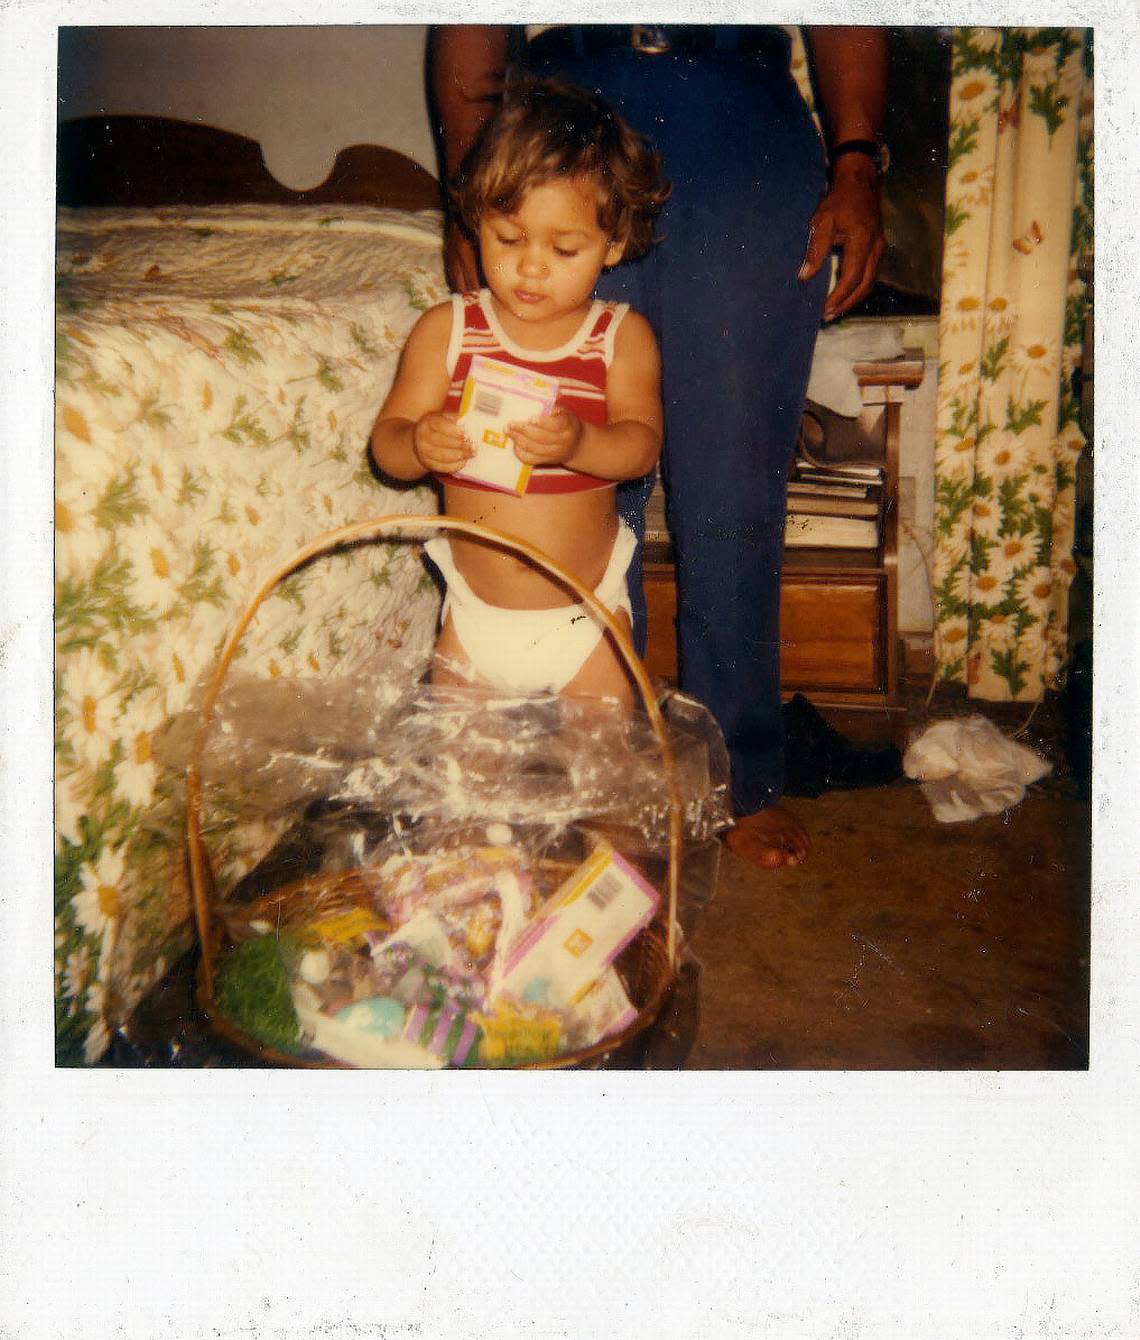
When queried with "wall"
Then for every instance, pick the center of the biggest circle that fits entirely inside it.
(303, 93)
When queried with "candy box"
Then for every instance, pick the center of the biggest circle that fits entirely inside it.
(599, 909)
(494, 395)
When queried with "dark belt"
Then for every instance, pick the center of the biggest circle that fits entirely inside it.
(653, 39)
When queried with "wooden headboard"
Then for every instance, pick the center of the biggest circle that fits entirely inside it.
(155, 160)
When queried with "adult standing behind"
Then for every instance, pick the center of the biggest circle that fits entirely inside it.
(735, 293)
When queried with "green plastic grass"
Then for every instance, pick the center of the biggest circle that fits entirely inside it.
(253, 992)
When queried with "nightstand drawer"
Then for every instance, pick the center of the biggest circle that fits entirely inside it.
(831, 629)
(831, 633)
(661, 609)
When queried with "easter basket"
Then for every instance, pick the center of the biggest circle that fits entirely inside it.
(318, 935)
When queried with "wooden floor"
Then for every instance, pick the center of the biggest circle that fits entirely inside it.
(905, 943)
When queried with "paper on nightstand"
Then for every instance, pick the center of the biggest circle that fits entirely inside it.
(833, 383)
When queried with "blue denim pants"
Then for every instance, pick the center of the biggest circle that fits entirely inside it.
(737, 329)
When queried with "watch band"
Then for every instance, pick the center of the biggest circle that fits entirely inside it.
(875, 150)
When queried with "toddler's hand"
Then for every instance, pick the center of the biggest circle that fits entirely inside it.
(551, 440)
(440, 445)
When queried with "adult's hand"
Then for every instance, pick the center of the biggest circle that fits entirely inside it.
(851, 74)
(468, 65)
(848, 220)
(460, 261)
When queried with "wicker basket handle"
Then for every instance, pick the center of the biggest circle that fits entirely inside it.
(412, 527)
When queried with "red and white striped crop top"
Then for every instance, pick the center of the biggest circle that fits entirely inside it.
(581, 366)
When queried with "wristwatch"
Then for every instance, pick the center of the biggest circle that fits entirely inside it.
(875, 150)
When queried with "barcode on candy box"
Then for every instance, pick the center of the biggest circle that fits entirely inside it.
(494, 395)
(486, 402)
(604, 890)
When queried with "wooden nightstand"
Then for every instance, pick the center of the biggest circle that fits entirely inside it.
(838, 607)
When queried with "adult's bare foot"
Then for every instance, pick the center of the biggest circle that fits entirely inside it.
(770, 839)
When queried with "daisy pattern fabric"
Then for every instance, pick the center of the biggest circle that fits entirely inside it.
(218, 371)
(1018, 216)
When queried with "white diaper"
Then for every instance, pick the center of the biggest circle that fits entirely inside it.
(530, 651)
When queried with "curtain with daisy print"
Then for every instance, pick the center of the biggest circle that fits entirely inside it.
(1018, 215)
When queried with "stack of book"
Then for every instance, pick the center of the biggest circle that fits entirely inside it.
(658, 541)
(835, 506)
(832, 506)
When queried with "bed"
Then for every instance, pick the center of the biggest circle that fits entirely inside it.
(223, 344)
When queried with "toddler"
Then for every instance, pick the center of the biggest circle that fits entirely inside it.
(556, 189)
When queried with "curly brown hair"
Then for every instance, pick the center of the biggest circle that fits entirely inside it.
(546, 129)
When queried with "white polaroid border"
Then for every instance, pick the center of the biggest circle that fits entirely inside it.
(223, 1203)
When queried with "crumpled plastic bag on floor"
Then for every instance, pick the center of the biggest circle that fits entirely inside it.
(969, 768)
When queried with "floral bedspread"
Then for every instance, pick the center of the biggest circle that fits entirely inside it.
(218, 371)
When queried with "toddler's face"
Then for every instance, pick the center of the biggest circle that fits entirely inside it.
(542, 262)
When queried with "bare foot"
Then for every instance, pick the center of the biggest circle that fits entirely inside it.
(772, 838)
